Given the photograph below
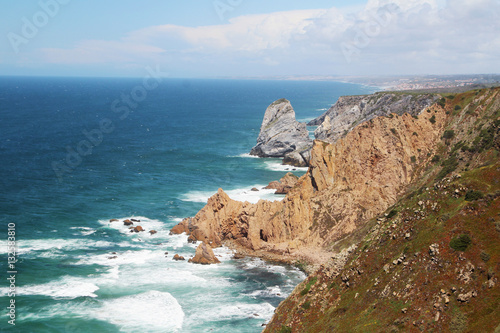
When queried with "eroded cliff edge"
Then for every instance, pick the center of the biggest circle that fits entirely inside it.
(350, 111)
(348, 182)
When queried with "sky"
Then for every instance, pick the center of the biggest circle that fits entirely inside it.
(249, 38)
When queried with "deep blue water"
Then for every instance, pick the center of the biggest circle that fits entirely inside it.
(76, 152)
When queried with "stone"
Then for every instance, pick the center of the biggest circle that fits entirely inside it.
(181, 227)
(204, 255)
(280, 133)
(152, 232)
(135, 220)
(464, 298)
(113, 220)
(254, 189)
(138, 229)
(178, 257)
(127, 222)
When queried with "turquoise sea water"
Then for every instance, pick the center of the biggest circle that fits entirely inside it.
(76, 152)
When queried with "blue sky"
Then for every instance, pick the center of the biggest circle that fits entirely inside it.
(220, 38)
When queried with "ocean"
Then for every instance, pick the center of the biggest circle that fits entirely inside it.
(77, 152)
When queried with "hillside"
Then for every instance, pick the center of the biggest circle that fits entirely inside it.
(430, 262)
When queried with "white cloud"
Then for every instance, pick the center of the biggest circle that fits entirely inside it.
(385, 36)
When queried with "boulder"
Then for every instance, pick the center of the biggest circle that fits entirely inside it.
(284, 185)
(180, 228)
(138, 229)
(178, 257)
(113, 220)
(254, 189)
(152, 232)
(127, 222)
(204, 255)
(280, 133)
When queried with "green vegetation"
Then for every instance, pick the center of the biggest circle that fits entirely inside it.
(442, 102)
(432, 119)
(449, 166)
(435, 159)
(393, 130)
(306, 305)
(392, 213)
(449, 134)
(460, 243)
(413, 159)
(457, 107)
(285, 329)
(472, 195)
(308, 286)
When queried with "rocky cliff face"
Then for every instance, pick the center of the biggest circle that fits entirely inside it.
(280, 134)
(350, 111)
(432, 263)
(348, 182)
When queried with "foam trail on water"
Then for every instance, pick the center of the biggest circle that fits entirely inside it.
(153, 311)
(239, 194)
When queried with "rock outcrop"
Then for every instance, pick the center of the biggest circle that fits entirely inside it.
(204, 255)
(284, 185)
(348, 182)
(281, 134)
(350, 111)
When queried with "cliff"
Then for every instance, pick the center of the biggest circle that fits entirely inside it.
(348, 182)
(399, 219)
(350, 111)
(430, 262)
(282, 135)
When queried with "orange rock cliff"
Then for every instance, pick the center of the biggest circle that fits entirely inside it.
(348, 182)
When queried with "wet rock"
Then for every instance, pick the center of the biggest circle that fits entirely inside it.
(178, 257)
(127, 222)
(138, 229)
(254, 189)
(113, 220)
(204, 255)
(152, 232)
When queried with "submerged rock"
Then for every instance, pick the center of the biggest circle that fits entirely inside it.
(280, 133)
(204, 255)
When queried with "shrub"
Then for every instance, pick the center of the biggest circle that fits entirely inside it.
(393, 130)
(448, 166)
(473, 195)
(457, 107)
(432, 119)
(460, 243)
(392, 213)
(449, 134)
(436, 159)
(306, 305)
(308, 286)
(413, 159)
(285, 329)
(442, 102)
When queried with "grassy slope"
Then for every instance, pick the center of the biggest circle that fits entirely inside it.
(375, 292)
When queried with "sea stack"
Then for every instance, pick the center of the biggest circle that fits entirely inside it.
(281, 135)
